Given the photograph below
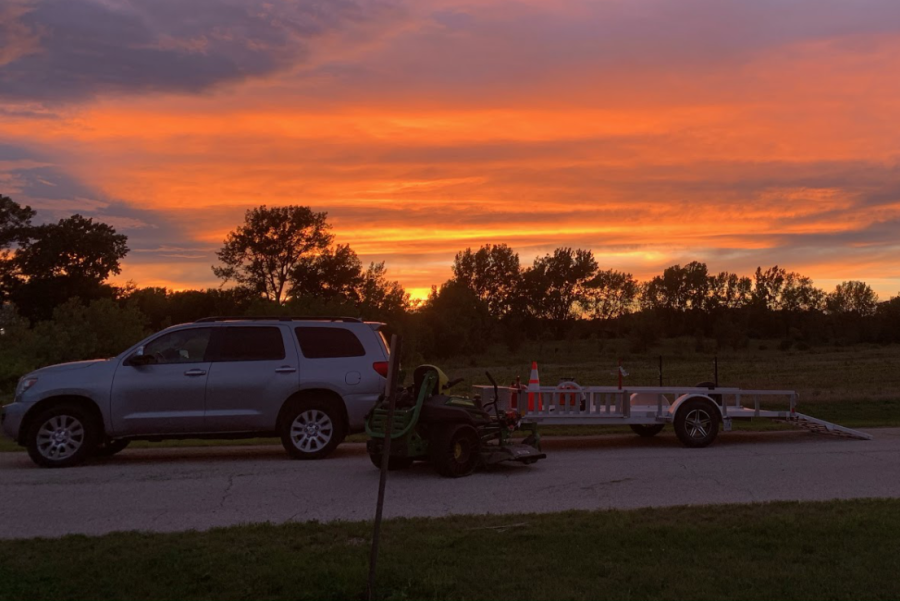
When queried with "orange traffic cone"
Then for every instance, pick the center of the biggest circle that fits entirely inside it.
(534, 389)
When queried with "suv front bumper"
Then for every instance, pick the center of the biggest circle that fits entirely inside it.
(11, 417)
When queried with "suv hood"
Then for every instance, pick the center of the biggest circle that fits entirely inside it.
(64, 367)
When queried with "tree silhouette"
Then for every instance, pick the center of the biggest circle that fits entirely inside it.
(555, 283)
(492, 273)
(15, 220)
(610, 294)
(263, 253)
(59, 261)
(852, 297)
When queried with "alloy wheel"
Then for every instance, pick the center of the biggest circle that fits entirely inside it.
(311, 430)
(60, 437)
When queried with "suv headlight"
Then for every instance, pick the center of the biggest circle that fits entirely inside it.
(24, 384)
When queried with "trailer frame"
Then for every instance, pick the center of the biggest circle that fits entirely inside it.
(571, 404)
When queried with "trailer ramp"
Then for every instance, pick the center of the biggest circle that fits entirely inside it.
(807, 422)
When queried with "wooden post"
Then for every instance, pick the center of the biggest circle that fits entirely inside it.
(390, 391)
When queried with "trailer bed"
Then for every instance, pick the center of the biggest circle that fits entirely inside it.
(571, 404)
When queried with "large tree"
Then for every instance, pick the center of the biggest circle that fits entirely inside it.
(856, 298)
(333, 274)
(556, 282)
(610, 294)
(337, 274)
(59, 261)
(679, 288)
(492, 273)
(15, 221)
(263, 253)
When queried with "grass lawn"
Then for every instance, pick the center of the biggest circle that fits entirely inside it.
(829, 550)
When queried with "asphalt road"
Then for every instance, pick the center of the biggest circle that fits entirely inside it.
(199, 488)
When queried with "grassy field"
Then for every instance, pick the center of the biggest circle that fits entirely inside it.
(856, 386)
(830, 550)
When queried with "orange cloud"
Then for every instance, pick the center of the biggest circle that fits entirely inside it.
(650, 133)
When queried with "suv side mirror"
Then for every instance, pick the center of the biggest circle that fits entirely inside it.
(138, 358)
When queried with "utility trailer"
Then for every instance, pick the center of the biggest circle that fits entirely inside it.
(696, 413)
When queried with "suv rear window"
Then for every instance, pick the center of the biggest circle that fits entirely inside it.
(328, 343)
(251, 344)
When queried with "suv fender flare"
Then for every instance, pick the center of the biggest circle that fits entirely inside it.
(315, 393)
(88, 403)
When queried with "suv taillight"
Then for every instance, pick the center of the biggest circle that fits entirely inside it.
(381, 367)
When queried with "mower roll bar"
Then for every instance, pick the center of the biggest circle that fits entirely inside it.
(496, 394)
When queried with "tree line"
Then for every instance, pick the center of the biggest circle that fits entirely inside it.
(57, 302)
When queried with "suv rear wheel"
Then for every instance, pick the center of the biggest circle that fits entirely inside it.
(311, 429)
(62, 436)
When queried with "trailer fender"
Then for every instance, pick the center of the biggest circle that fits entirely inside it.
(673, 408)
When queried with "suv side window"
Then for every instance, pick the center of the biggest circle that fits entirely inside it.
(328, 343)
(250, 344)
(183, 346)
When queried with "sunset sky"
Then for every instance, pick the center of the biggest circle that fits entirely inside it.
(743, 133)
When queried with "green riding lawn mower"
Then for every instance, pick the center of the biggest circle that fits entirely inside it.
(457, 434)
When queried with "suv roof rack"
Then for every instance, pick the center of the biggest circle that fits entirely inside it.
(278, 318)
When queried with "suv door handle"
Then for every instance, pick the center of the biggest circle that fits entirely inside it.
(195, 372)
(285, 369)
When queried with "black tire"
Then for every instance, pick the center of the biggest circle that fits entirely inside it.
(454, 450)
(62, 436)
(394, 463)
(697, 423)
(647, 431)
(111, 447)
(311, 429)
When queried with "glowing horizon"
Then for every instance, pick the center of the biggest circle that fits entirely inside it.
(652, 132)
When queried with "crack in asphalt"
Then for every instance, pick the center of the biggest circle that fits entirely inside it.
(227, 491)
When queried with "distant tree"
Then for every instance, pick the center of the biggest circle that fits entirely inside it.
(493, 273)
(852, 297)
(263, 253)
(798, 294)
(380, 296)
(610, 294)
(97, 330)
(456, 321)
(679, 288)
(337, 275)
(59, 261)
(767, 287)
(729, 291)
(555, 283)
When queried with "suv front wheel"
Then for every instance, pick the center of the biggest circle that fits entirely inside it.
(311, 429)
(61, 436)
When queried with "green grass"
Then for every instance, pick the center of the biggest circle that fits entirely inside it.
(829, 550)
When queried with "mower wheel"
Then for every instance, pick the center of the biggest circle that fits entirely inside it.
(455, 450)
(394, 463)
(647, 431)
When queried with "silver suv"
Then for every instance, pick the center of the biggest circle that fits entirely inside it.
(309, 381)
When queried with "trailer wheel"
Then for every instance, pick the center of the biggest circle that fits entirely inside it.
(647, 431)
(697, 423)
(394, 463)
(455, 450)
